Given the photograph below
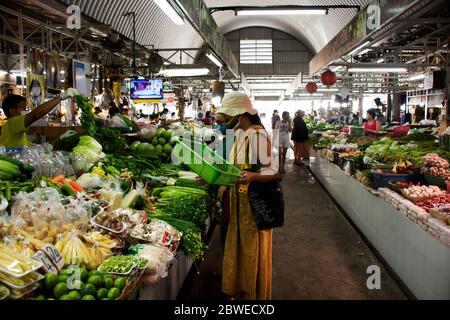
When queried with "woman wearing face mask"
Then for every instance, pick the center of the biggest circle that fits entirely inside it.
(372, 124)
(247, 263)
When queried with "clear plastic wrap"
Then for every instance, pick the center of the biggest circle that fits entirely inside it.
(159, 258)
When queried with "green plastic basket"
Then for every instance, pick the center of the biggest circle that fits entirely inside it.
(207, 163)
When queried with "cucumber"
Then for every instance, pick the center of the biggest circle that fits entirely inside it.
(13, 161)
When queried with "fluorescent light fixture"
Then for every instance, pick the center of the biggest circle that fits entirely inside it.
(380, 60)
(98, 32)
(364, 51)
(190, 88)
(328, 90)
(279, 12)
(167, 63)
(3, 73)
(360, 48)
(62, 72)
(309, 95)
(337, 68)
(378, 70)
(214, 59)
(184, 72)
(165, 6)
(416, 77)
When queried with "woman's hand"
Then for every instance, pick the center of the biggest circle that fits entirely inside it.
(247, 177)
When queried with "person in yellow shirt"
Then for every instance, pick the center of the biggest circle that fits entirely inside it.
(14, 130)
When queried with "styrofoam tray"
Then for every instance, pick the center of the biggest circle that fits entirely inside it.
(36, 285)
(39, 278)
(37, 265)
(125, 226)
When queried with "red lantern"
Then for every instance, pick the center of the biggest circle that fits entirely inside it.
(328, 78)
(311, 87)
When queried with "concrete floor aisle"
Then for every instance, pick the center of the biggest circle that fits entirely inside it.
(316, 255)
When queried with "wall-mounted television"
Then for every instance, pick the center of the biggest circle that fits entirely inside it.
(146, 89)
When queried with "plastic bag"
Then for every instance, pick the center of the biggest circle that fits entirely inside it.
(159, 258)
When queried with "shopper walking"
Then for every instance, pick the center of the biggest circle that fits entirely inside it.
(247, 262)
(275, 119)
(283, 129)
(300, 137)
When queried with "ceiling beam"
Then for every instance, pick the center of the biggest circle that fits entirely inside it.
(283, 7)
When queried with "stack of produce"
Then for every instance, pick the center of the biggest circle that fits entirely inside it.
(80, 284)
(432, 164)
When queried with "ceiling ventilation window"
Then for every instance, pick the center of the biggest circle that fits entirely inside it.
(256, 51)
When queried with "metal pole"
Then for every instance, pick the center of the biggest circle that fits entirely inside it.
(360, 107)
(134, 43)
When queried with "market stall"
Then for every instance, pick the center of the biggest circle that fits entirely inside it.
(394, 189)
(109, 218)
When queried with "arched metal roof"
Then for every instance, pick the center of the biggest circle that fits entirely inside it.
(155, 28)
(313, 31)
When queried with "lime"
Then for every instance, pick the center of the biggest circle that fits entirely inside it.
(63, 278)
(40, 297)
(151, 148)
(74, 295)
(159, 148)
(50, 281)
(105, 299)
(120, 283)
(134, 145)
(65, 297)
(88, 289)
(143, 146)
(94, 273)
(102, 293)
(162, 141)
(50, 299)
(60, 290)
(113, 293)
(167, 135)
(167, 148)
(108, 282)
(155, 141)
(67, 272)
(160, 132)
(88, 297)
(84, 274)
(96, 280)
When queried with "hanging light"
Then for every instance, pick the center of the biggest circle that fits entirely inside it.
(311, 87)
(328, 78)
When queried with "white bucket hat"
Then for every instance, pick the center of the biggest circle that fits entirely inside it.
(236, 103)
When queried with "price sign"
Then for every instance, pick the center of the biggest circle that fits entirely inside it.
(54, 255)
(47, 263)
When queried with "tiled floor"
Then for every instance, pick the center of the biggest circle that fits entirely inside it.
(316, 255)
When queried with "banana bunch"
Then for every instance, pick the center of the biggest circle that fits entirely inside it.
(15, 262)
(74, 250)
(100, 240)
(20, 282)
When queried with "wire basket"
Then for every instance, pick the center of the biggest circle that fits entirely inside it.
(208, 164)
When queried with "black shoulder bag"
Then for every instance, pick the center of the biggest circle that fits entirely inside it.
(267, 202)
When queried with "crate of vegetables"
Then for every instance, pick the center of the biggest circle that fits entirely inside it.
(398, 186)
(381, 179)
(435, 170)
(418, 194)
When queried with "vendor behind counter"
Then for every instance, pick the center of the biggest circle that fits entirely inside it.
(19, 121)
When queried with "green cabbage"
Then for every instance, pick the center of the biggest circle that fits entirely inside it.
(91, 154)
(91, 143)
